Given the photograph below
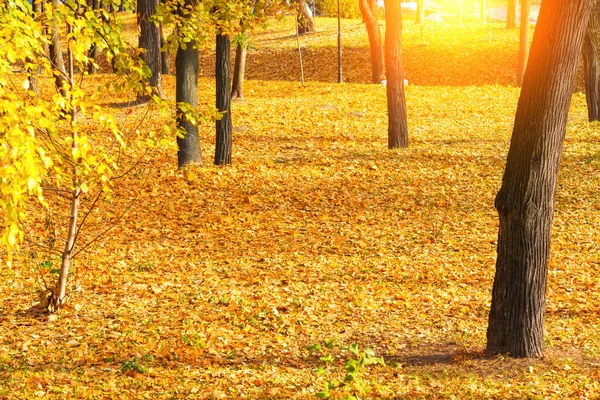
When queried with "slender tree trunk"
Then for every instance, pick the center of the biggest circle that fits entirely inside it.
(165, 55)
(223, 146)
(93, 54)
(524, 40)
(511, 14)
(186, 91)
(56, 55)
(305, 22)
(525, 202)
(481, 5)
(150, 41)
(590, 62)
(420, 17)
(397, 124)
(239, 69)
(370, 19)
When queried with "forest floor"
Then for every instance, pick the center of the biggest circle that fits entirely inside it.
(218, 279)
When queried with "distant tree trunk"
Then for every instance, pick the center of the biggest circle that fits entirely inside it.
(524, 40)
(93, 53)
(511, 14)
(397, 125)
(481, 5)
(32, 73)
(372, 24)
(223, 146)
(525, 202)
(56, 55)
(590, 62)
(150, 41)
(305, 22)
(420, 17)
(239, 68)
(186, 91)
(165, 55)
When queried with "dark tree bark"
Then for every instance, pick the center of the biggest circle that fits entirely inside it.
(525, 202)
(590, 62)
(511, 14)
(150, 41)
(239, 69)
(397, 124)
(165, 55)
(93, 54)
(223, 146)
(524, 40)
(370, 19)
(56, 55)
(186, 91)
(305, 22)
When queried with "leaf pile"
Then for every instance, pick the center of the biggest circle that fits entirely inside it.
(217, 280)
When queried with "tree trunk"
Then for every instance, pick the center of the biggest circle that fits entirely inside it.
(165, 55)
(525, 202)
(590, 62)
(420, 17)
(239, 68)
(56, 55)
(305, 22)
(481, 5)
(397, 125)
(93, 54)
(186, 91)
(223, 146)
(370, 19)
(524, 41)
(150, 41)
(511, 14)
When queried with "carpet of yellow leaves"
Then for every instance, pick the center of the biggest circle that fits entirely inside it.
(218, 278)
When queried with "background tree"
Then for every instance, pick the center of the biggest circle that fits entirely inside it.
(305, 22)
(590, 62)
(511, 14)
(420, 14)
(397, 124)
(525, 202)
(481, 4)
(149, 40)
(239, 67)
(223, 147)
(524, 40)
(56, 54)
(368, 9)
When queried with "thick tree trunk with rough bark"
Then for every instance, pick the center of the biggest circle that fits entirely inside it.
(223, 146)
(511, 14)
(372, 24)
(56, 55)
(524, 40)
(186, 91)
(150, 41)
(590, 63)
(525, 202)
(305, 22)
(397, 124)
(239, 69)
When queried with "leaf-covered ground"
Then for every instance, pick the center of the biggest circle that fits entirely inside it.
(217, 280)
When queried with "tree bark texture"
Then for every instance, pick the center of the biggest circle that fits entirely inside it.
(239, 69)
(186, 91)
(396, 101)
(590, 63)
(150, 41)
(511, 14)
(525, 202)
(305, 22)
(372, 24)
(223, 146)
(524, 40)
(56, 55)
